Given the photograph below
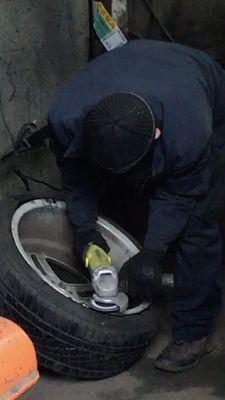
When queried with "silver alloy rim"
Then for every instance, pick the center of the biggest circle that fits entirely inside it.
(44, 238)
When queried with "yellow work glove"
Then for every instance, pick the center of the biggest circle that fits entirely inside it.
(96, 257)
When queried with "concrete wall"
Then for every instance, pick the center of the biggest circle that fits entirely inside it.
(199, 24)
(42, 43)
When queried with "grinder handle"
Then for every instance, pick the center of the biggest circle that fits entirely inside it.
(96, 257)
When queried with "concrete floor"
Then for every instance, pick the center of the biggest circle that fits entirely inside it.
(142, 382)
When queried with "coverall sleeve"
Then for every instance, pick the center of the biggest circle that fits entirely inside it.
(79, 185)
(174, 201)
(167, 218)
(188, 182)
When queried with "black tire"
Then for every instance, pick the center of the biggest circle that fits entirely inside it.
(69, 339)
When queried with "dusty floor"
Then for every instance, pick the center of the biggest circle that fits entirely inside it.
(143, 382)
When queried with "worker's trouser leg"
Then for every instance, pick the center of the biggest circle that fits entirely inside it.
(198, 291)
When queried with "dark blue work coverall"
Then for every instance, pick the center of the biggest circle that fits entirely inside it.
(186, 91)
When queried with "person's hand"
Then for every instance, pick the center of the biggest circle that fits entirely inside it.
(85, 237)
(142, 274)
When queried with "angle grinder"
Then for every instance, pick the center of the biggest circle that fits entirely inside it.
(104, 279)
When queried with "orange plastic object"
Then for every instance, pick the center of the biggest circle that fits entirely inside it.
(18, 361)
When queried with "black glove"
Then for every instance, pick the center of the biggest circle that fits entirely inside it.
(142, 274)
(82, 238)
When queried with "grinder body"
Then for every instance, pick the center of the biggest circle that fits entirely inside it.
(104, 280)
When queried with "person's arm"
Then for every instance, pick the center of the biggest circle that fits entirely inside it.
(80, 189)
(170, 208)
(187, 144)
(174, 200)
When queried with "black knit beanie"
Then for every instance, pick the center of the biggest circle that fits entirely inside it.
(119, 131)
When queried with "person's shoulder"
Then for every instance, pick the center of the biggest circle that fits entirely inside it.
(192, 53)
(167, 50)
(67, 103)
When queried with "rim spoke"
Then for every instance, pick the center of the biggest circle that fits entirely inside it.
(43, 261)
